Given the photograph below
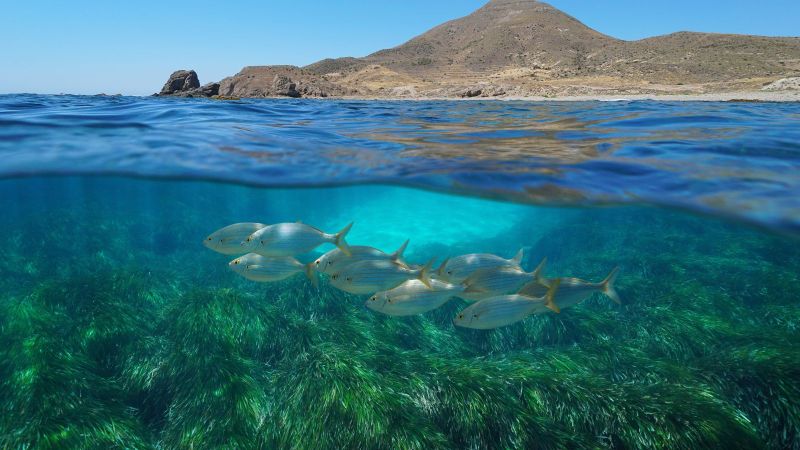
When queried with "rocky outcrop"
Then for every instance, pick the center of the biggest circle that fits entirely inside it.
(184, 83)
(784, 84)
(284, 86)
(180, 81)
(483, 90)
(208, 90)
(474, 92)
(279, 81)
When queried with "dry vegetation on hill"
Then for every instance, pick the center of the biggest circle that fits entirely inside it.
(529, 48)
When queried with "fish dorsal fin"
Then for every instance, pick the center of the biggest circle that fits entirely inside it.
(424, 273)
(398, 254)
(537, 272)
(441, 270)
(517, 259)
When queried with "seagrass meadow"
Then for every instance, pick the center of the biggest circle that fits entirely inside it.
(119, 330)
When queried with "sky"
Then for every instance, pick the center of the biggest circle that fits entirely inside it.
(131, 47)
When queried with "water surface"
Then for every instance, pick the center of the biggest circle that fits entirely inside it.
(734, 159)
(119, 329)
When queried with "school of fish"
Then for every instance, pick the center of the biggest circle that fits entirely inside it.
(500, 290)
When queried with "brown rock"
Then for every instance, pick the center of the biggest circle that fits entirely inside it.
(180, 81)
(284, 86)
(279, 81)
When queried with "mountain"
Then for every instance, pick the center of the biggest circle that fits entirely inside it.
(527, 47)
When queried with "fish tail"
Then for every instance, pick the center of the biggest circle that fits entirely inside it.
(424, 273)
(397, 256)
(441, 270)
(537, 273)
(311, 274)
(549, 298)
(517, 259)
(340, 242)
(608, 286)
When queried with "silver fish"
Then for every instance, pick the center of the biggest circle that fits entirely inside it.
(291, 239)
(367, 277)
(574, 290)
(500, 311)
(335, 259)
(456, 270)
(494, 281)
(228, 240)
(264, 269)
(413, 297)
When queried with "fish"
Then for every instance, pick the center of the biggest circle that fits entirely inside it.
(291, 239)
(367, 277)
(494, 281)
(456, 270)
(264, 269)
(228, 240)
(335, 259)
(413, 297)
(574, 290)
(504, 310)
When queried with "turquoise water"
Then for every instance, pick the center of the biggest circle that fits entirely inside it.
(119, 329)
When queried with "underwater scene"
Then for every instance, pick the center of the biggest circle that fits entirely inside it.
(216, 285)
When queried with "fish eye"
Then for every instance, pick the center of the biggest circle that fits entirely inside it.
(262, 242)
(460, 316)
(316, 262)
(349, 279)
(388, 300)
(249, 239)
(373, 298)
(334, 276)
(449, 272)
(208, 239)
(236, 262)
(474, 316)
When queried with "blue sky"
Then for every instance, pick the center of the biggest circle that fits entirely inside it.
(131, 47)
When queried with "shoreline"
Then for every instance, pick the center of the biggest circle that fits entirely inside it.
(789, 96)
(736, 96)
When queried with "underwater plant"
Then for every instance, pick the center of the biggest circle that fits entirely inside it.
(146, 344)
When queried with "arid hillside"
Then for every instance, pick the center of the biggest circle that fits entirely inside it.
(529, 48)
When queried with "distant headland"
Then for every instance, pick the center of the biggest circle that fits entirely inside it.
(529, 49)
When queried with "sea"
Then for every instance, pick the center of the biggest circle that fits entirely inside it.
(120, 329)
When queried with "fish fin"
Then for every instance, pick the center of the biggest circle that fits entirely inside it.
(397, 256)
(608, 286)
(424, 274)
(340, 242)
(517, 259)
(311, 275)
(440, 271)
(549, 301)
(537, 273)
